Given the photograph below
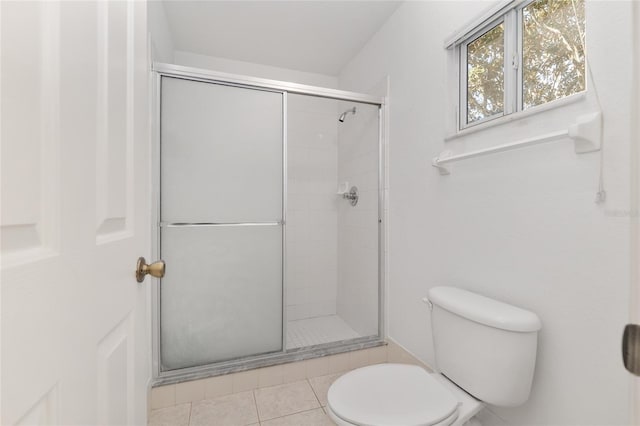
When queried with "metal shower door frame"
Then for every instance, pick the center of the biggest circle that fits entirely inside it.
(191, 373)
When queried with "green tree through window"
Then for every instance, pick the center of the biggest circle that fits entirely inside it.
(485, 75)
(552, 59)
(553, 54)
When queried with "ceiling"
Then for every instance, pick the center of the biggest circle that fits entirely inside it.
(312, 36)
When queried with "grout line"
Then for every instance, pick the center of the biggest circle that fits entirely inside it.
(255, 403)
(300, 412)
(314, 392)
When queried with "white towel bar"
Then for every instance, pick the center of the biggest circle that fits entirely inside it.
(586, 134)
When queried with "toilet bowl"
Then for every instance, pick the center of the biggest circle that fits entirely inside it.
(485, 351)
(398, 394)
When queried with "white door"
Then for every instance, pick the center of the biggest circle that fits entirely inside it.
(74, 214)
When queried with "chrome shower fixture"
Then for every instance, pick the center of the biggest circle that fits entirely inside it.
(344, 114)
(352, 196)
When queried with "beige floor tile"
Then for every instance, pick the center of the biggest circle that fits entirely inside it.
(228, 410)
(321, 386)
(270, 376)
(339, 363)
(317, 366)
(378, 355)
(282, 400)
(218, 386)
(294, 372)
(189, 391)
(358, 359)
(315, 417)
(245, 380)
(394, 353)
(171, 416)
(163, 396)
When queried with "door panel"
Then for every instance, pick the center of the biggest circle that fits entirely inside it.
(30, 139)
(221, 297)
(75, 165)
(114, 142)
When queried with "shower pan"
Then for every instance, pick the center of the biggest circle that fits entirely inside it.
(268, 259)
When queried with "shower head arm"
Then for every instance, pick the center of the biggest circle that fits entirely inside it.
(344, 114)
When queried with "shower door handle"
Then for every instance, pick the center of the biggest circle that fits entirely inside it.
(156, 269)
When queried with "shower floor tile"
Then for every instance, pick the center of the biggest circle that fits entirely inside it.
(318, 330)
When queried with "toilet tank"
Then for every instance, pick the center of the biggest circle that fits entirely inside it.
(486, 347)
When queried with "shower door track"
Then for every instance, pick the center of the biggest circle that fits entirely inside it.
(161, 377)
(170, 70)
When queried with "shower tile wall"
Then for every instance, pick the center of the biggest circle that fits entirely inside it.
(312, 214)
(358, 226)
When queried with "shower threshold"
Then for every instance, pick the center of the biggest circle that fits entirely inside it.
(266, 360)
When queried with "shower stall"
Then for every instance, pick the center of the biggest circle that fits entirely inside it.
(269, 211)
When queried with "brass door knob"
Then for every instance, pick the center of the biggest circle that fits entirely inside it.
(631, 348)
(156, 269)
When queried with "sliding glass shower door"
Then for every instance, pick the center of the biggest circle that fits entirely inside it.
(221, 218)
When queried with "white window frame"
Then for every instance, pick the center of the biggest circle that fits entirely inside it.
(463, 113)
(511, 15)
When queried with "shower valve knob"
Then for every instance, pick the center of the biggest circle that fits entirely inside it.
(156, 269)
(352, 196)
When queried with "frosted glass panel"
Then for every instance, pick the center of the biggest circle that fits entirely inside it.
(221, 155)
(221, 297)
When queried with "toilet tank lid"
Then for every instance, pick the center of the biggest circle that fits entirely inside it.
(484, 310)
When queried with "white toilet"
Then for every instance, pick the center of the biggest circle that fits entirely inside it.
(485, 351)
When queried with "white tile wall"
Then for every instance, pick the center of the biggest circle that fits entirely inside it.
(312, 215)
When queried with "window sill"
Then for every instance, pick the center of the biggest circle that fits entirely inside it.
(517, 116)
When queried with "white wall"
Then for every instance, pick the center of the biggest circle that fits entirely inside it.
(254, 70)
(159, 32)
(521, 227)
(358, 225)
(312, 207)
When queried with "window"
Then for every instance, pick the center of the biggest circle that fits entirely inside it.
(526, 54)
(553, 62)
(485, 75)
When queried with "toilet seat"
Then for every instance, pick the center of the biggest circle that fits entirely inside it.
(391, 394)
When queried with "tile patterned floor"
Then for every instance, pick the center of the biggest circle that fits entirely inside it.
(318, 330)
(294, 404)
